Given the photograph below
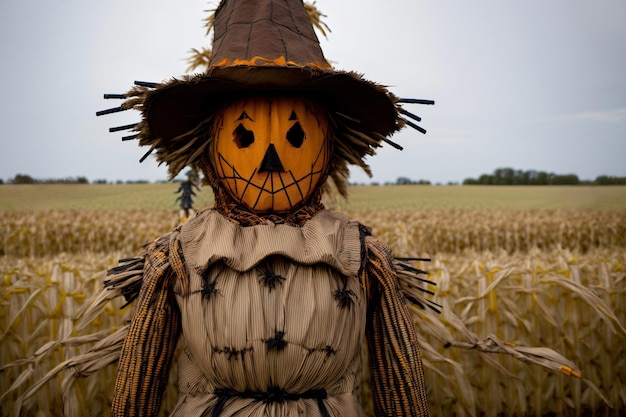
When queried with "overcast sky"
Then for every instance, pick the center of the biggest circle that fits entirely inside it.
(530, 84)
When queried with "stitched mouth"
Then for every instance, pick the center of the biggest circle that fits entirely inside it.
(259, 186)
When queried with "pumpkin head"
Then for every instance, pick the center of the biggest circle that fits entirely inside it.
(270, 153)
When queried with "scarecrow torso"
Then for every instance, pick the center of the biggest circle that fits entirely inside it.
(271, 308)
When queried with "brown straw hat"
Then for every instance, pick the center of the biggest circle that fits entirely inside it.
(262, 47)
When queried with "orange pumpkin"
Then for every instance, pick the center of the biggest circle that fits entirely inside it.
(270, 153)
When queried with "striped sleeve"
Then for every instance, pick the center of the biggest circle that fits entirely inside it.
(151, 341)
(397, 379)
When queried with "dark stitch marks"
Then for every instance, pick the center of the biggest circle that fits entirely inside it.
(344, 296)
(328, 350)
(232, 353)
(269, 279)
(277, 342)
(209, 287)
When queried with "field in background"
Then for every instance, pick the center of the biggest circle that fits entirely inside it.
(535, 266)
(403, 197)
(392, 197)
(95, 197)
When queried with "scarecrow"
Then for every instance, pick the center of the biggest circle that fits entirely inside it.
(268, 295)
(272, 294)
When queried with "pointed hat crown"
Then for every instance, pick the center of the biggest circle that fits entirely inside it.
(265, 32)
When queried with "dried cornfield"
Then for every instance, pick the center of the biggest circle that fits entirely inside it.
(44, 233)
(551, 279)
(52, 232)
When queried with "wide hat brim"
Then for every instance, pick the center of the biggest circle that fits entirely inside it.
(178, 106)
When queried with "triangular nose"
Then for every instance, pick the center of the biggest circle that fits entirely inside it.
(271, 161)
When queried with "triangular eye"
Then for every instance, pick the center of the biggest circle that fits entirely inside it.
(244, 115)
(296, 135)
(243, 137)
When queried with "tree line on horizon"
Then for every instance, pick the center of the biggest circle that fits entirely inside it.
(501, 176)
(27, 179)
(510, 176)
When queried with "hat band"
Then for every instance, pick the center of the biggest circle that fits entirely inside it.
(259, 61)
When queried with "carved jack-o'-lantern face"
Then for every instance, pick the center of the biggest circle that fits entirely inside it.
(271, 153)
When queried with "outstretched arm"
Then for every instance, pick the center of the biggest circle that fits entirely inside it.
(397, 378)
(151, 341)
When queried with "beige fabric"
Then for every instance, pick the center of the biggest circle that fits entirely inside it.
(328, 237)
(231, 313)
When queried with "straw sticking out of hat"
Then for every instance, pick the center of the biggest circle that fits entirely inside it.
(265, 47)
